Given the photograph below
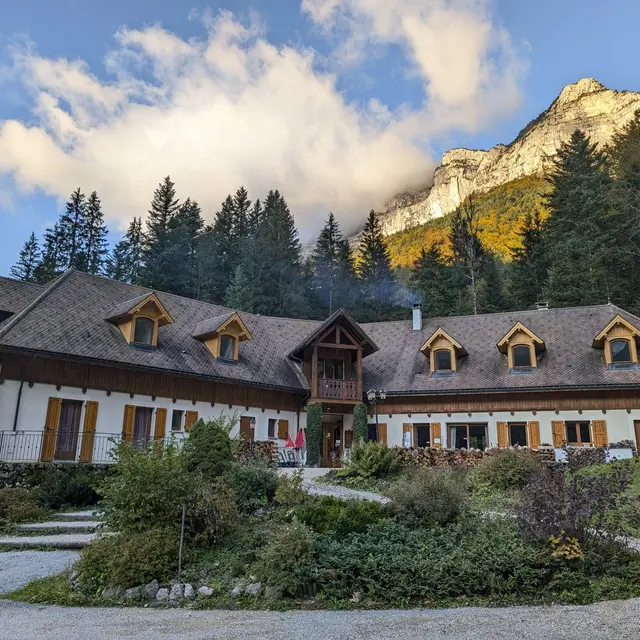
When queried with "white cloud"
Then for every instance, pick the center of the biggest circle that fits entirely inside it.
(232, 109)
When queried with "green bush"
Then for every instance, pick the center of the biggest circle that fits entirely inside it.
(214, 511)
(74, 486)
(434, 497)
(370, 460)
(255, 485)
(208, 448)
(509, 468)
(314, 433)
(20, 505)
(145, 489)
(128, 560)
(326, 514)
(360, 422)
(289, 492)
(288, 561)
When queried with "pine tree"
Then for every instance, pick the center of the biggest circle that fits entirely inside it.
(94, 236)
(155, 242)
(240, 294)
(468, 253)
(29, 258)
(433, 280)
(241, 212)
(53, 259)
(72, 229)
(325, 264)
(254, 218)
(125, 261)
(376, 276)
(575, 231)
(492, 295)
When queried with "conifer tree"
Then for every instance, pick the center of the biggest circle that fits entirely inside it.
(433, 280)
(575, 231)
(53, 258)
(254, 218)
(492, 294)
(72, 229)
(241, 212)
(325, 265)
(94, 235)
(29, 258)
(125, 260)
(240, 294)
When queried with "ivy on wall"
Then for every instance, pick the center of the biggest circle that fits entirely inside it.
(314, 433)
(360, 430)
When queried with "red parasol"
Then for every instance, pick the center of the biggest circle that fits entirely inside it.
(290, 444)
(300, 439)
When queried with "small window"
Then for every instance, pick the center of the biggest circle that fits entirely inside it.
(176, 420)
(442, 360)
(518, 435)
(521, 356)
(143, 333)
(423, 436)
(620, 352)
(227, 346)
(272, 428)
(578, 433)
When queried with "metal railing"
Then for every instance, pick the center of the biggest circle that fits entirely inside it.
(337, 389)
(26, 446)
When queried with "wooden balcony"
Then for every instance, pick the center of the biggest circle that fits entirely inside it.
(329, 389)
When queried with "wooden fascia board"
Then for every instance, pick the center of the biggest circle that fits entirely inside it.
(518, 326)
(152, 297)
(599, 339)
(236, 318)
(441, 333)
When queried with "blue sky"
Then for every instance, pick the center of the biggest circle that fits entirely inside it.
(551, 44)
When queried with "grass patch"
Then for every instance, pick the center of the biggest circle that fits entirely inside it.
(49, 590)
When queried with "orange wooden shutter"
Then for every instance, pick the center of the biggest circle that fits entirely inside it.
(160, 429)
(190, 418)
(50, 429)
(534, 434)
(245, 429)
(127, 424)
(283, 429)
(557, 429)
(600, 433)
(406, 428)
(436, 435)
(88, 431)
(382, 432)
(503, 439)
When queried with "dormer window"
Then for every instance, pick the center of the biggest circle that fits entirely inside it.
(222, 335)
(144, 330)
(140, 319)
(521, 346)
(443, 353)
(618, 340)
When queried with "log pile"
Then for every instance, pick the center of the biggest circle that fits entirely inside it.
(460, 458)
(264, 451)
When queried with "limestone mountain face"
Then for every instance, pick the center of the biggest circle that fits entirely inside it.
(585, 105)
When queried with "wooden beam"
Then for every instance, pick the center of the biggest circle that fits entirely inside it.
(335, 346)
(359, 372)
(314, 372)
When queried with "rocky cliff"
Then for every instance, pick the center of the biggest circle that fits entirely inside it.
(586, 105)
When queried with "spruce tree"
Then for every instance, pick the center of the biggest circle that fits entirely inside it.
(240, 294)
(125, 260)
(492, 297)
(325, 264)
(433, 280)
(72, 229)
(254, 218)
(53, 257)
(29, 258)
(164, 206)
(94, 236)
(241, 212)
(575, 232)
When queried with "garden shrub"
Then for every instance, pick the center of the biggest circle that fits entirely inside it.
(509, 468)
(327, 514)
(255, 485)
(370, 460)
(431, 497)
(208, 448)
(20, 505)
(131, 559)
(287, 562)
(360, 422)
(214, 510)
(146, 490)
(289, 492)
(74, 486)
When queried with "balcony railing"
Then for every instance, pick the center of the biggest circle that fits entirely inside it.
(337, 389)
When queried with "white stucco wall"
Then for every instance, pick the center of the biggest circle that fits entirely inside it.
(33, 408)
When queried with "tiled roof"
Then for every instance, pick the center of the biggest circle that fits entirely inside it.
(211, 325)
(69, 319)
(15, 295)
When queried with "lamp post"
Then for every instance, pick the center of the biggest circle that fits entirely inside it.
(374, 397)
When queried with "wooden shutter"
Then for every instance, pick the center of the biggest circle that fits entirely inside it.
(283, 429)
(88, 431)
(190, 418)
(503, 436)
(600, 433)
(557, 429)
(50, 429)
(534, 434)
(436, 435)
(245, 429)
(127, 424)
(382, 432)
(160, 429)
(406, 428)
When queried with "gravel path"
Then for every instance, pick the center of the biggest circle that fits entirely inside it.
(606, 620)
(319, 489)
(18, 568)
(59, 541)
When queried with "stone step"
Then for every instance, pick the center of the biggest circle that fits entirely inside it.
(58, 541)
(89, 514)
(59, 526)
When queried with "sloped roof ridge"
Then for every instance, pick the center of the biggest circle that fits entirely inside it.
(12, 322)
(23, 282)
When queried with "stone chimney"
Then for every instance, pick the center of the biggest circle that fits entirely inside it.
(417, 317)
(542, 306)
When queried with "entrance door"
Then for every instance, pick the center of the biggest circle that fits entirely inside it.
(636, 424)
(68, 426)
(423, 436)
(332, 442)
(142, 426)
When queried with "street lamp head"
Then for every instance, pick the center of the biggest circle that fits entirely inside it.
(371, 395)
(383, 394)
